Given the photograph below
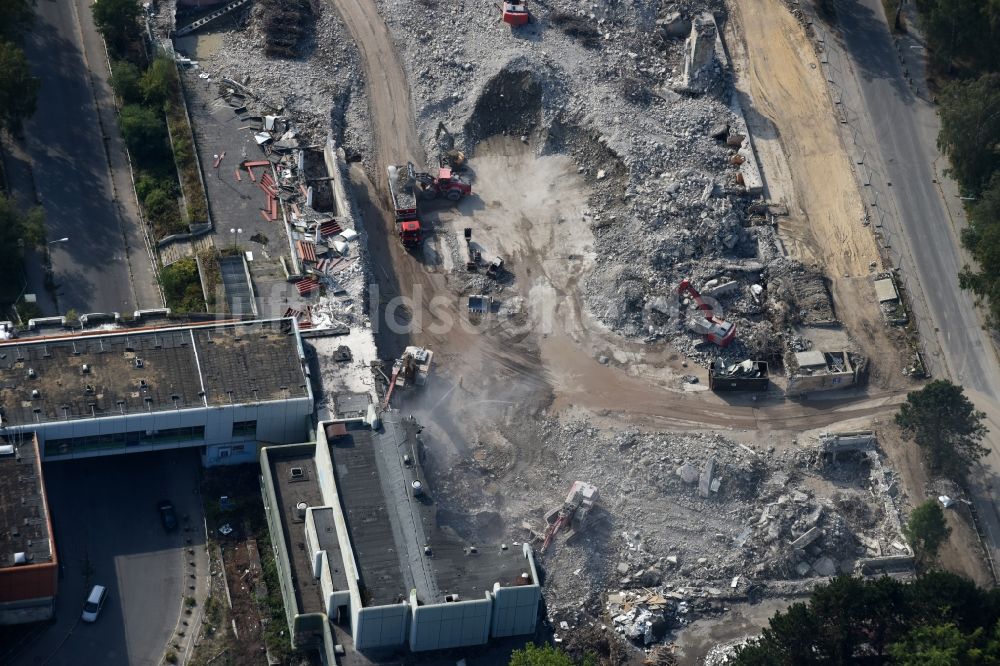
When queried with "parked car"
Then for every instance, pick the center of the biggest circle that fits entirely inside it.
(167, 515)
(95, 602)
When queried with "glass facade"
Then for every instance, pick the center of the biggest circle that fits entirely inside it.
(121, 441)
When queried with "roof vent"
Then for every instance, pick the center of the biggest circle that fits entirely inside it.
(174, 397)
(89, 389)
(35, 394)
(143, 385)
(300, 510)
(452, 598)
(139, 362)
(6, 450)
(20, 558)
(32, 374)
(296, 473)
(85, 369)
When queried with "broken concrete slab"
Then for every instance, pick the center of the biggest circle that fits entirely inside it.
(705, 480)
(807, 538)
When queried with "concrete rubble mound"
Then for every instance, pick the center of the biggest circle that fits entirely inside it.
(696, 521)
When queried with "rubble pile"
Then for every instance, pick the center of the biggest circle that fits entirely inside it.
(321, 85)
(690, 521)
(663, 162)
(285, 25)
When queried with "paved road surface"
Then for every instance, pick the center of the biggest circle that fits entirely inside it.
(104, 512)
(71, 169)
(897, 128)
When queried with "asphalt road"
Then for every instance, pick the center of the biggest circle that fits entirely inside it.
(74, 148)
(104, 511)
(895, 126)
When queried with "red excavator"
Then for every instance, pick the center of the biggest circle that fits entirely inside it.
(715, 329)
(446, 184)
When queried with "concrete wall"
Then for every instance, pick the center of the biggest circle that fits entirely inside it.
(515, 609)
(281, 421)
(450, 625)
(824, 382)
(380, 626)
(27, 610)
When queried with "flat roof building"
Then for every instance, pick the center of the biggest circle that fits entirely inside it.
(220, 386)
(370, 552)
(29, 570)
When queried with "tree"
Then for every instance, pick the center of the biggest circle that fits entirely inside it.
(15, 15)
(927, 529)
(941, 645)
(18, 88)
(970, 125)
(938, 619)
(125, 80)
(546, 655)
(18, 231)
(982, 238)
(958, 33)
(118, 21)
(145, 132)
(158, 81)
(944, 423)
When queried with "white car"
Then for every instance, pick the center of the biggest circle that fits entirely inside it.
(95, 602)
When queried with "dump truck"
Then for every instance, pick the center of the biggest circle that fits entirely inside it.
(404, 202)
(744, 376)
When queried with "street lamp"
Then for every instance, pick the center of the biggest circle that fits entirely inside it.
(236, 235)
(58, 240)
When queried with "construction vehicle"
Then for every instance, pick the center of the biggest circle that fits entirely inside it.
(404, 202)
(410, 368)
(580, 501)
(515, 13)
(446, 184)
(715, 329)
(475, 258)
(407, 186)
(450, 157)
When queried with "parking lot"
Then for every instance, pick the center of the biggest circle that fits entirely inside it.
(108, 532)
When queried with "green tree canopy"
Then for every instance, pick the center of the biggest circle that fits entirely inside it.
(118, 21)
(18, 231)
(970, 125)
(982, 238)
(854, 620)
(960, 32)
(158, 81)
(927, 529)
(18, 88)
(547, 655)
(145, 132)
(944, 423)
(939, 645)
(15, 15)
(125, 79)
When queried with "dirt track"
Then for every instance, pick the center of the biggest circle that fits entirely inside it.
(807, 166)
(388, 91)
(559, 368)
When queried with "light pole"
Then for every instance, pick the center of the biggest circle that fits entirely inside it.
(236, 235)
(58, 240)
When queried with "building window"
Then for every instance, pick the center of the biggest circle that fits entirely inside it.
(244, 429)
(64, 446)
